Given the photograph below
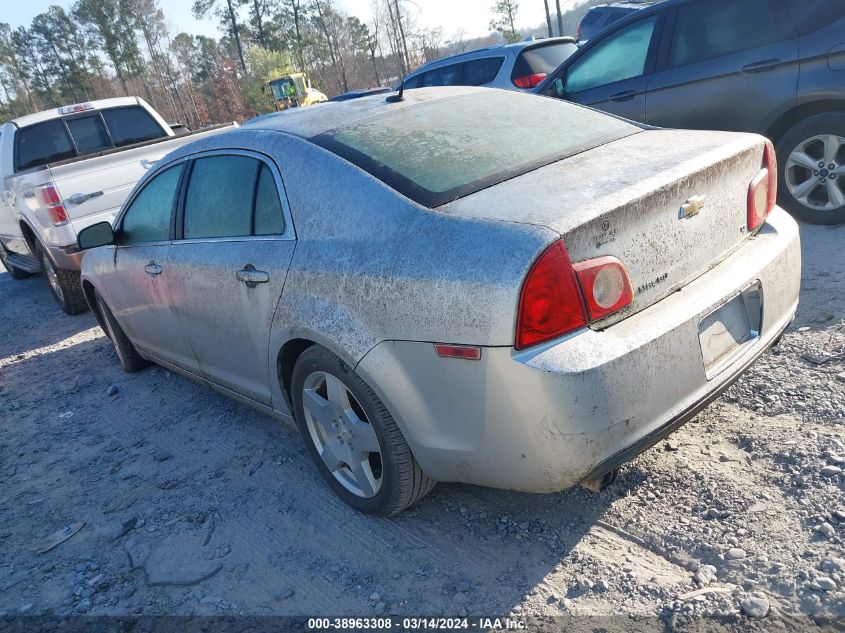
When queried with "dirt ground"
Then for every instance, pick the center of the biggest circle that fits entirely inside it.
(194, 504)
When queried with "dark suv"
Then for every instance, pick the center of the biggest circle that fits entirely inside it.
(601, 16)
(775, 67)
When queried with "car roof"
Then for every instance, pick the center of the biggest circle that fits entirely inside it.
(320, 118)
(55, 113)
(506, 49)
(625, 4)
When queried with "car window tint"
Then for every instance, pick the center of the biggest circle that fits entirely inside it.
(482, 71)
(42, 143)
(712, 28)
(446, 76)
(89, 134)
(269, 219)
(620, 56)
(812, 15)
(219, 198)
(132, 125)
(149, 215)
(541, 59)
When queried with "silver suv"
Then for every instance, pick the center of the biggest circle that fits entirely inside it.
(519, 66)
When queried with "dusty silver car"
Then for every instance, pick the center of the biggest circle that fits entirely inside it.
(466, 285)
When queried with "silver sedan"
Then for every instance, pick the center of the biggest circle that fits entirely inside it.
(462, 285)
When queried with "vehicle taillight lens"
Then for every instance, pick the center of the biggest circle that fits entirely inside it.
(550, 303)
(529, 81)
(763, 190)
(48, 198)
(606, 285)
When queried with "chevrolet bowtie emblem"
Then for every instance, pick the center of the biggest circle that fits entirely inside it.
(692, 207)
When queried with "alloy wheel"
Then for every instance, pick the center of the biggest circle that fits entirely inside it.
(342, 434)
(815, 172)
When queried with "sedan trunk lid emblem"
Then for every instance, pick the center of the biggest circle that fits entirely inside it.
(691, 207)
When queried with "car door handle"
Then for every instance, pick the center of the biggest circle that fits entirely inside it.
(762, 66)
(627, 95)
(252, 277)
(152, 269)
(79, 198)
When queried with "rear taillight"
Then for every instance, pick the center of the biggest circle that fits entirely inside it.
(550, 304)
(529, 81)
(763, 190)
(559, 297)
(49, 199)
(606, 286)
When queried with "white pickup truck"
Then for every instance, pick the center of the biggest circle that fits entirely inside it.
(67, 168)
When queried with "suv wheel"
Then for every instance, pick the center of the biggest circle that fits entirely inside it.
(811, 158)
(65, 285)
(357, 446)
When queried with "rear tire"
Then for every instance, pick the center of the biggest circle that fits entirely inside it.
(806, 161)
(65, 285)
(15, 273)
(128, 356)
(394, 478)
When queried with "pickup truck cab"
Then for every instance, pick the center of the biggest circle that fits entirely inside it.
(64, 169)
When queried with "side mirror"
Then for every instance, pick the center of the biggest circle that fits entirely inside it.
(99, 234)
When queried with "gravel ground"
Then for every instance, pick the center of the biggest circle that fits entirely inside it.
(192, 504)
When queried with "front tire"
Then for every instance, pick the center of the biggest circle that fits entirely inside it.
(354, 441)
(128, 356)
(65, 285)
(811, 169)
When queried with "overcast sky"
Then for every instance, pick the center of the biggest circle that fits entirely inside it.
(473, 16)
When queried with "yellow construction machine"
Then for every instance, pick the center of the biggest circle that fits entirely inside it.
(293, 91)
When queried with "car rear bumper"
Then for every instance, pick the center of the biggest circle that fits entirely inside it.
(550, 417)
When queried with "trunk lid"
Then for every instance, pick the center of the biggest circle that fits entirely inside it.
(625, 199)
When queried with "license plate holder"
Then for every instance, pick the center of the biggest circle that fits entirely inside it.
(727, 331)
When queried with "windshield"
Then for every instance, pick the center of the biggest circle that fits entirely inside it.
(437, 151)
(281, 89)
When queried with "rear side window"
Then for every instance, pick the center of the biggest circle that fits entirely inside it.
(231, 196)
(149, 215)
(541, 59)
(445, 76)
(437, 151)
(478, 72)
(216, 204)
(42, 143)
(131, 125)
(89, 134)
(269, 219)
(711, 28)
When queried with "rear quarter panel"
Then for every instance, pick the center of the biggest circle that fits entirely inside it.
(371, 265)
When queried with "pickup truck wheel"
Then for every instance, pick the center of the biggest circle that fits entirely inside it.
(128, 356)
(65, 285)
(811, 178)
(357, 446)
(15, 273)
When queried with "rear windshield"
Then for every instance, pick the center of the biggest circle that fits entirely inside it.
(80, 135)
(437, 151)
(541, 59)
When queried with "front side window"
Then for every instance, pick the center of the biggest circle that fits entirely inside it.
(710, 29)
(89, 134)
(219, 198)
(149, 216)
(620, 56)
(42, 143)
